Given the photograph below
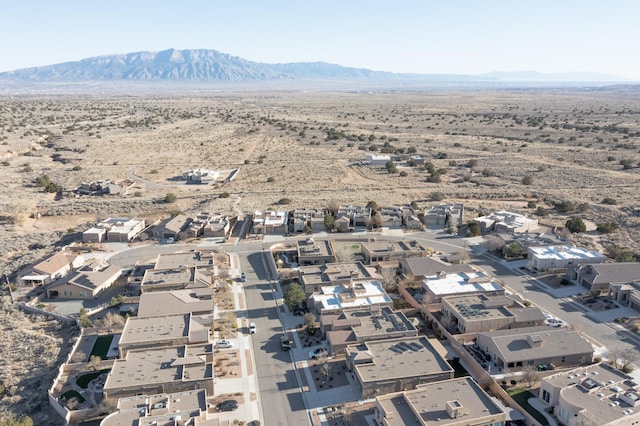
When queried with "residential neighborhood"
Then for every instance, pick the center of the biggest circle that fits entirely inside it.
(390, 322)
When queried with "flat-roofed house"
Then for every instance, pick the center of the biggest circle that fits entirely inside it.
(443, 215)
(312, 252)
(533, 346)
(165, 330)
(444, 284)
(189, 407)
(121, 229)
(270, 222)
(479, 312)
(352, 295)
(507, 223)
(377, 251)
(393, 365)
(359, 325)
(544, 258)
(597, 394)
(161, 370)
(313, 277)
(217, 226)
(454, 402)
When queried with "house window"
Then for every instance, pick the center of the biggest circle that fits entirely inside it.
(546, 396)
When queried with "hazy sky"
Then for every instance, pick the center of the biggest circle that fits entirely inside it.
(422, 36)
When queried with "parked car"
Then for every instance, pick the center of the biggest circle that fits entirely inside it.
(228, 405)
(243, 277)
(224, 344)
(318, 353)
(252, 328)
(285, 342)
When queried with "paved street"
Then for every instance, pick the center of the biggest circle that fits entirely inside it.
(281, 400)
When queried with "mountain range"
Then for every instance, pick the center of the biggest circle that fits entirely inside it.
(205, 65)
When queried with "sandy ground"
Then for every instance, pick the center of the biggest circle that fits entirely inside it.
(306, 149)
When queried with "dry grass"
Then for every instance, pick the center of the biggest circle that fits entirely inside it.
(571, 143)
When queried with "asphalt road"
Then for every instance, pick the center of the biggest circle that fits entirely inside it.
(564, 309)
(280, 395)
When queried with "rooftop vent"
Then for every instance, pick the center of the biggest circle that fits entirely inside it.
(454, 408)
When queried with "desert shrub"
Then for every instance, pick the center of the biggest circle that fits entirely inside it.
(607, 227)
(284, 201)
(474, 229)
(575, 225)
(170, 198)
(609, 201)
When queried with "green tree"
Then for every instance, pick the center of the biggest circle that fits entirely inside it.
(575, 225)
(294, 295)
(116, 300)
(170, 198)
(391, 167)
(328, 221)
(514, 249)
(373, 206)
(474, 229)
(83, 319)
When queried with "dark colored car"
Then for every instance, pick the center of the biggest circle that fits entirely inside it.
(228, 405)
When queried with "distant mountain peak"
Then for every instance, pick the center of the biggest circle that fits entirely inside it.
(206, 65)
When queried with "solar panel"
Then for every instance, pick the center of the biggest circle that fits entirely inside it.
(416, 346)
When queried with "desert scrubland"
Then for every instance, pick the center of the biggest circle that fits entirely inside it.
(490, 150)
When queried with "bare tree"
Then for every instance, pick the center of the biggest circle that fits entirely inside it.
(494, 243)
(614, 356)
(333, 207)
(389, 279)
(94, 361)
(463, 255)
(529, 375)
(326, 369)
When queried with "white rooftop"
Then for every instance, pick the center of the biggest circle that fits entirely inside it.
(362, 294)
(461, 282)
(564, 253)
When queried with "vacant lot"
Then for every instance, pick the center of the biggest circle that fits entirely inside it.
(490, 150)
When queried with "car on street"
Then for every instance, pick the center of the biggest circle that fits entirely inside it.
(228, 405)
(224, 344)
(252, 328)
(553, 322)
(318, 353)
(243, 277)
